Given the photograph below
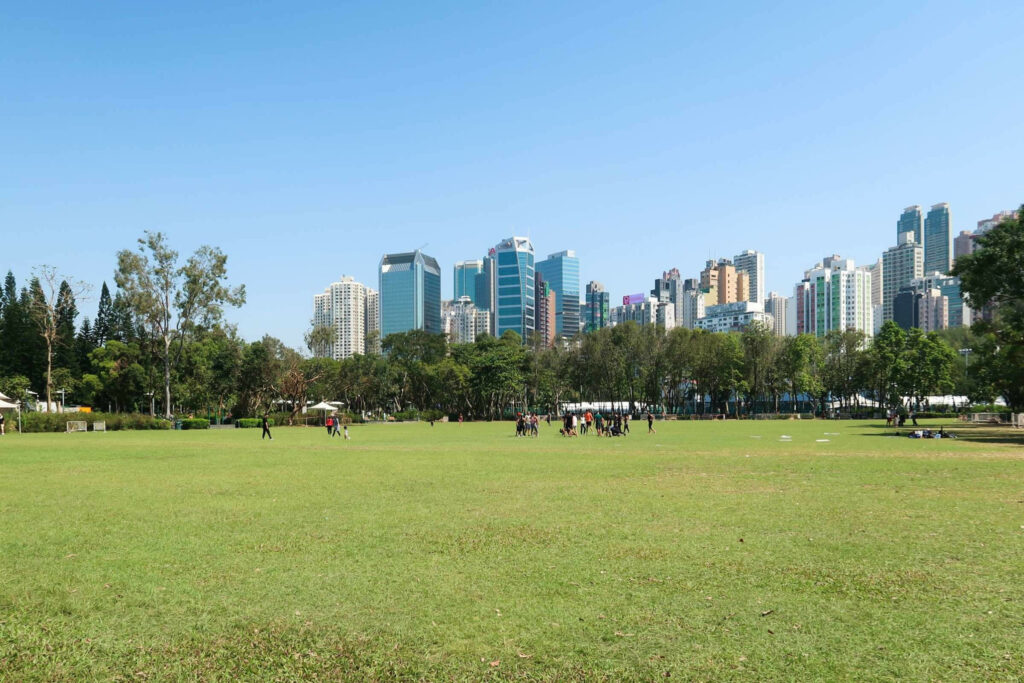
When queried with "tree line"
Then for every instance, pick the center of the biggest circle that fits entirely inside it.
(159, 342)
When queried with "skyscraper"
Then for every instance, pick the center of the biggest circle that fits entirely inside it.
(545, 301)
(777, 305)
(937, 239)
(963, 244)
(957, 311)
(465, 278)
(900, 265)
(371, 323)
(514, 273)
(344, 308)
(752, 263)
(466, 322)
(562, 273)
(910, 221)
(598, 308)
(668, 289)
(836, 296)
(410, 293)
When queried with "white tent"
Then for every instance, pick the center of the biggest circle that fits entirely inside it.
(323, 405)
(4, 397)
(6, 405)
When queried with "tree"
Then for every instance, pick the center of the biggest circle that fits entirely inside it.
(319, 339)
(929, 367)
(800, 358)
(993, 277)
(51, 304)
(841, 363)
(887, 365)
(175, 300)
(105, 317)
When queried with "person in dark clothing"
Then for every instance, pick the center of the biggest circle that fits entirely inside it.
(337, 427)
(266, 429)
(650, 423)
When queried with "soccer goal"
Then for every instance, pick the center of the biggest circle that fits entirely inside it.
(77, 426)
(99, 426)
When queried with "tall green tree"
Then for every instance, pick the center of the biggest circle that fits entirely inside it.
(993, 277)
(175, 300)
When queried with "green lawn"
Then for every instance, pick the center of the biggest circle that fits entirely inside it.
(706, 551)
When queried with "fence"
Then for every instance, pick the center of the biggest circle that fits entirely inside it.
(1011, 419)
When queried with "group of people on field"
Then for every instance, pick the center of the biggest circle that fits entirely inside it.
(527, 425)
(333, 424)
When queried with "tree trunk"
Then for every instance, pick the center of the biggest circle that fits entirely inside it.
(49, 373)
(167, 377)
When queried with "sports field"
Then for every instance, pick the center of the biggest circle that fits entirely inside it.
(705, 551)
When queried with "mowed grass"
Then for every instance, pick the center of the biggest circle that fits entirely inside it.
(706, 551)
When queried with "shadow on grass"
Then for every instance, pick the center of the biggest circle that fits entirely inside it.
(975, 433)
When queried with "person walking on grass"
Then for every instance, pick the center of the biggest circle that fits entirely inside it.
(266, 429)
(650, 423)
(329, 422)
(347, 437)
(2, 423)
(337, 422)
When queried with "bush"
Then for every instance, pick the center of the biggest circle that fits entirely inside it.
(57, 422)
(252, 422)
(406, 415)
(195, 423)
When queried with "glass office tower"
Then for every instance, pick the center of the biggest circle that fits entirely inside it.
(410, 293)
(562, 273)
(514, 279)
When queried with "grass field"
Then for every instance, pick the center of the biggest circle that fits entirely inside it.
(706, 551)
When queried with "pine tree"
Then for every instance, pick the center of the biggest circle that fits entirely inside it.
(104, 318)
(65, 353)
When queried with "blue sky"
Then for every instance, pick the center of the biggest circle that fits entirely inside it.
(306, 139)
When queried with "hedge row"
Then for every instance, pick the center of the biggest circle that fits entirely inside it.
(195, 423)
(57, 422)
(252, 422)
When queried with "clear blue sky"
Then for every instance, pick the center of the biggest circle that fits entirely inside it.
(306, 139)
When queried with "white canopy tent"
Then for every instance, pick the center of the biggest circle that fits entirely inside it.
(7, 405)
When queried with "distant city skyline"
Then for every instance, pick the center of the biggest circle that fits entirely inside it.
(623, 132)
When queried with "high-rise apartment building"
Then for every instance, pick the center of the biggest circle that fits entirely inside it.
(371, 323)
(987, 224)
(778, 307)
(465, 322)
(347, 308)
(752, 263)
(933, 310)
(723, 283)
(963, 244)
(668, 289)
(734, 317)
(937, 239)
(910, 221)
(644, 312)
(562, 273)
(835, 295)
(464, 283)
(545, 300)
(694, 307)
(958, 313)
(598, 307)
(514, 298)
(900, 265)
(410, 293)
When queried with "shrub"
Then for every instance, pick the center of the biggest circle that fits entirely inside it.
(195, 423)
(57, 422)
(252, 422)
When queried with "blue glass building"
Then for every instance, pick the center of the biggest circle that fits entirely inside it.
(910, 221)
(937, 239)
(465, 273)
(514, 279)
(410, 293)
(562, 272)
